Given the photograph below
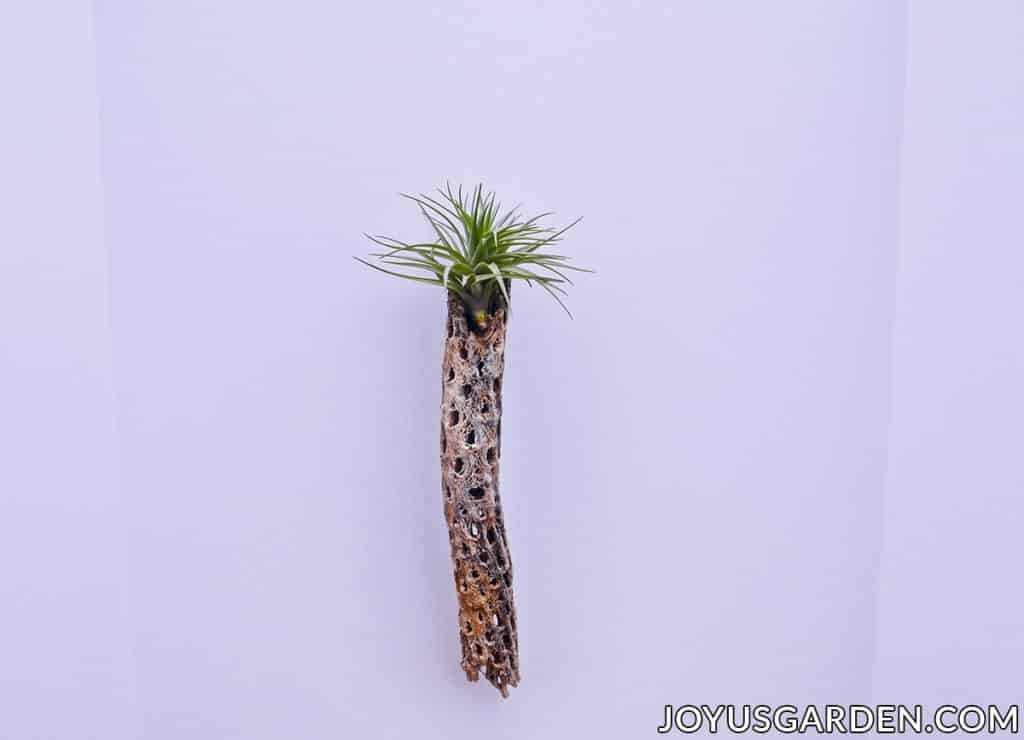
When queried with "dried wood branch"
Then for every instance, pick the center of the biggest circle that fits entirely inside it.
(470, 452)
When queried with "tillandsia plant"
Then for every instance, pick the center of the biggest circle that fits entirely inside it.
(475, 252)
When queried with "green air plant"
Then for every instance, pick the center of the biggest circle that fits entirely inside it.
(475, 252)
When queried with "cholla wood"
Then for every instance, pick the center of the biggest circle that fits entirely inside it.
(470, 451)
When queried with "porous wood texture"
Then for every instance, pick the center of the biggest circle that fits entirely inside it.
(470, 451)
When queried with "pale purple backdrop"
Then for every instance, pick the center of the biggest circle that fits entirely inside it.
(774, 458)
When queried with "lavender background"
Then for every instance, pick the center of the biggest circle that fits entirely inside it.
(774, 458)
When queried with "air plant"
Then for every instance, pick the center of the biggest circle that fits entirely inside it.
(475, 252)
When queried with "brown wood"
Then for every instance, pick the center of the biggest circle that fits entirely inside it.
(474, 361)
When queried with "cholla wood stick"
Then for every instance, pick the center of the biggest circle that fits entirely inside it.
(470, 452)
(477, 252)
